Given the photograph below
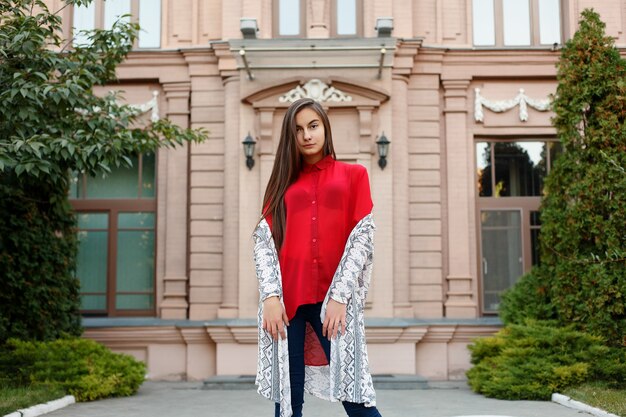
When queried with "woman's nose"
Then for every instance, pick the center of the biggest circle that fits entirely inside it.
(307, 134)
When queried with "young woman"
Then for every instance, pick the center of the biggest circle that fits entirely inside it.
(313, 256)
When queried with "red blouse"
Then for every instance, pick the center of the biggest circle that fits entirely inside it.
(323, 205)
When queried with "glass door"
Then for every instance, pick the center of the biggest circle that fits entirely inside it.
(501, 254)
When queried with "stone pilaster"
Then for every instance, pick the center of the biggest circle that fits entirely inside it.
(461, 300)
(174, 302)
(232, 153)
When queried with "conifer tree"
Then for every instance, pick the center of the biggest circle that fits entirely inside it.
(583, 211)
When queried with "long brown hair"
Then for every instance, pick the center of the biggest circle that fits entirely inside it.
(288, 163)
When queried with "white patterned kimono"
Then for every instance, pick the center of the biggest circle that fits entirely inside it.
(347, 376)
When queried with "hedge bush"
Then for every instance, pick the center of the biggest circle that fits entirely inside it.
(39, 299)
(533, 360)
(81, 367)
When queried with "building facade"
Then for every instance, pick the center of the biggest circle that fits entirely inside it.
(459, 87)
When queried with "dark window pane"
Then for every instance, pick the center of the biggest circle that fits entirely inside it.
(483, 168)
(535, 251)
(120, 183)
(535, 219)
(93, 221)
(134, 301)
(135, 261)
(75, 185)
(137, 220)
(520, 168)
(556, 149)
(93, 302)
(535, 223)
(91, 263)
(148, 174)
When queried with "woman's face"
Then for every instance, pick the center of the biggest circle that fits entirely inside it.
(310, 135)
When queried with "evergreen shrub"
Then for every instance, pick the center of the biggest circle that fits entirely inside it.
(531, 361)
(529, 298)
(81, 367)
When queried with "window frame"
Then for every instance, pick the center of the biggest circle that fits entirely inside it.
(276, 20)
(303, 21)
(535, 35)
(334, 19)
(526, 205)
(112, 207)
(134, 11)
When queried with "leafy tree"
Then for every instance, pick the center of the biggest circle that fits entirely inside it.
(51, 124)
(583, 213)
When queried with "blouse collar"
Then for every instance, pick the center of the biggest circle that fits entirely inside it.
(319, 165)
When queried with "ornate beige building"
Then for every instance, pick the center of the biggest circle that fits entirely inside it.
(459, 87)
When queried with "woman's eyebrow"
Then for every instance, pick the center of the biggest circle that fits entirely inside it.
(312, 121)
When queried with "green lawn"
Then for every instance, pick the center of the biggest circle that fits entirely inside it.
(12, 399)
(597, 395)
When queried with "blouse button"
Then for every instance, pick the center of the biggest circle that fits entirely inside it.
(314, 218)
(314, 261)
(314, 240)
(313, 202)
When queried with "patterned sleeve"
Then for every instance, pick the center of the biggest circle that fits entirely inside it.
(357, 255)
(266, 263)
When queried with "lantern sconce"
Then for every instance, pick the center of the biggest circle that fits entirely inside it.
(248, 150)
(383, 149)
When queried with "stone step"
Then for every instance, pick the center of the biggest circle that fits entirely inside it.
(240, 382)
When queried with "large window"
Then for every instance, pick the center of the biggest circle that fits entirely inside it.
(516, 23)
(509, 185)
(290, 17)
(116, 234)
(102, 14)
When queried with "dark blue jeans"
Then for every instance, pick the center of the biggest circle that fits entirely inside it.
(310, 313)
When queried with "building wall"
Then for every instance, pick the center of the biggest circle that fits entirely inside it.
(425, 302)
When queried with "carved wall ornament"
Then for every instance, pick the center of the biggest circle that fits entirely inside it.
(153, 105)
(317, 90)
(520, 99)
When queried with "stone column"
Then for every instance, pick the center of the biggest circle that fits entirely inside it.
(232, 151)
(461, 301)
(400, 165)
(174, 303)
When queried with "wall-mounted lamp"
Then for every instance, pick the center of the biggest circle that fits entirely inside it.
(242, 53)
(384, 26)
(383, 149)
(383, 50)
(248, 150)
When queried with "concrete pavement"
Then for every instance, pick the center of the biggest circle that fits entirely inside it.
(188, 399)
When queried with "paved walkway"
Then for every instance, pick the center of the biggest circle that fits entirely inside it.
(187, 399)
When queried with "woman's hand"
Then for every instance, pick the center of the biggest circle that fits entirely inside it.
(274, 317)
(335, 316)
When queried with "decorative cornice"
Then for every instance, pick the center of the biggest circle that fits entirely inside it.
(521, 100)
(317, 90)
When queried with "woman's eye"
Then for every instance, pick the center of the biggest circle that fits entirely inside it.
(314, 126)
